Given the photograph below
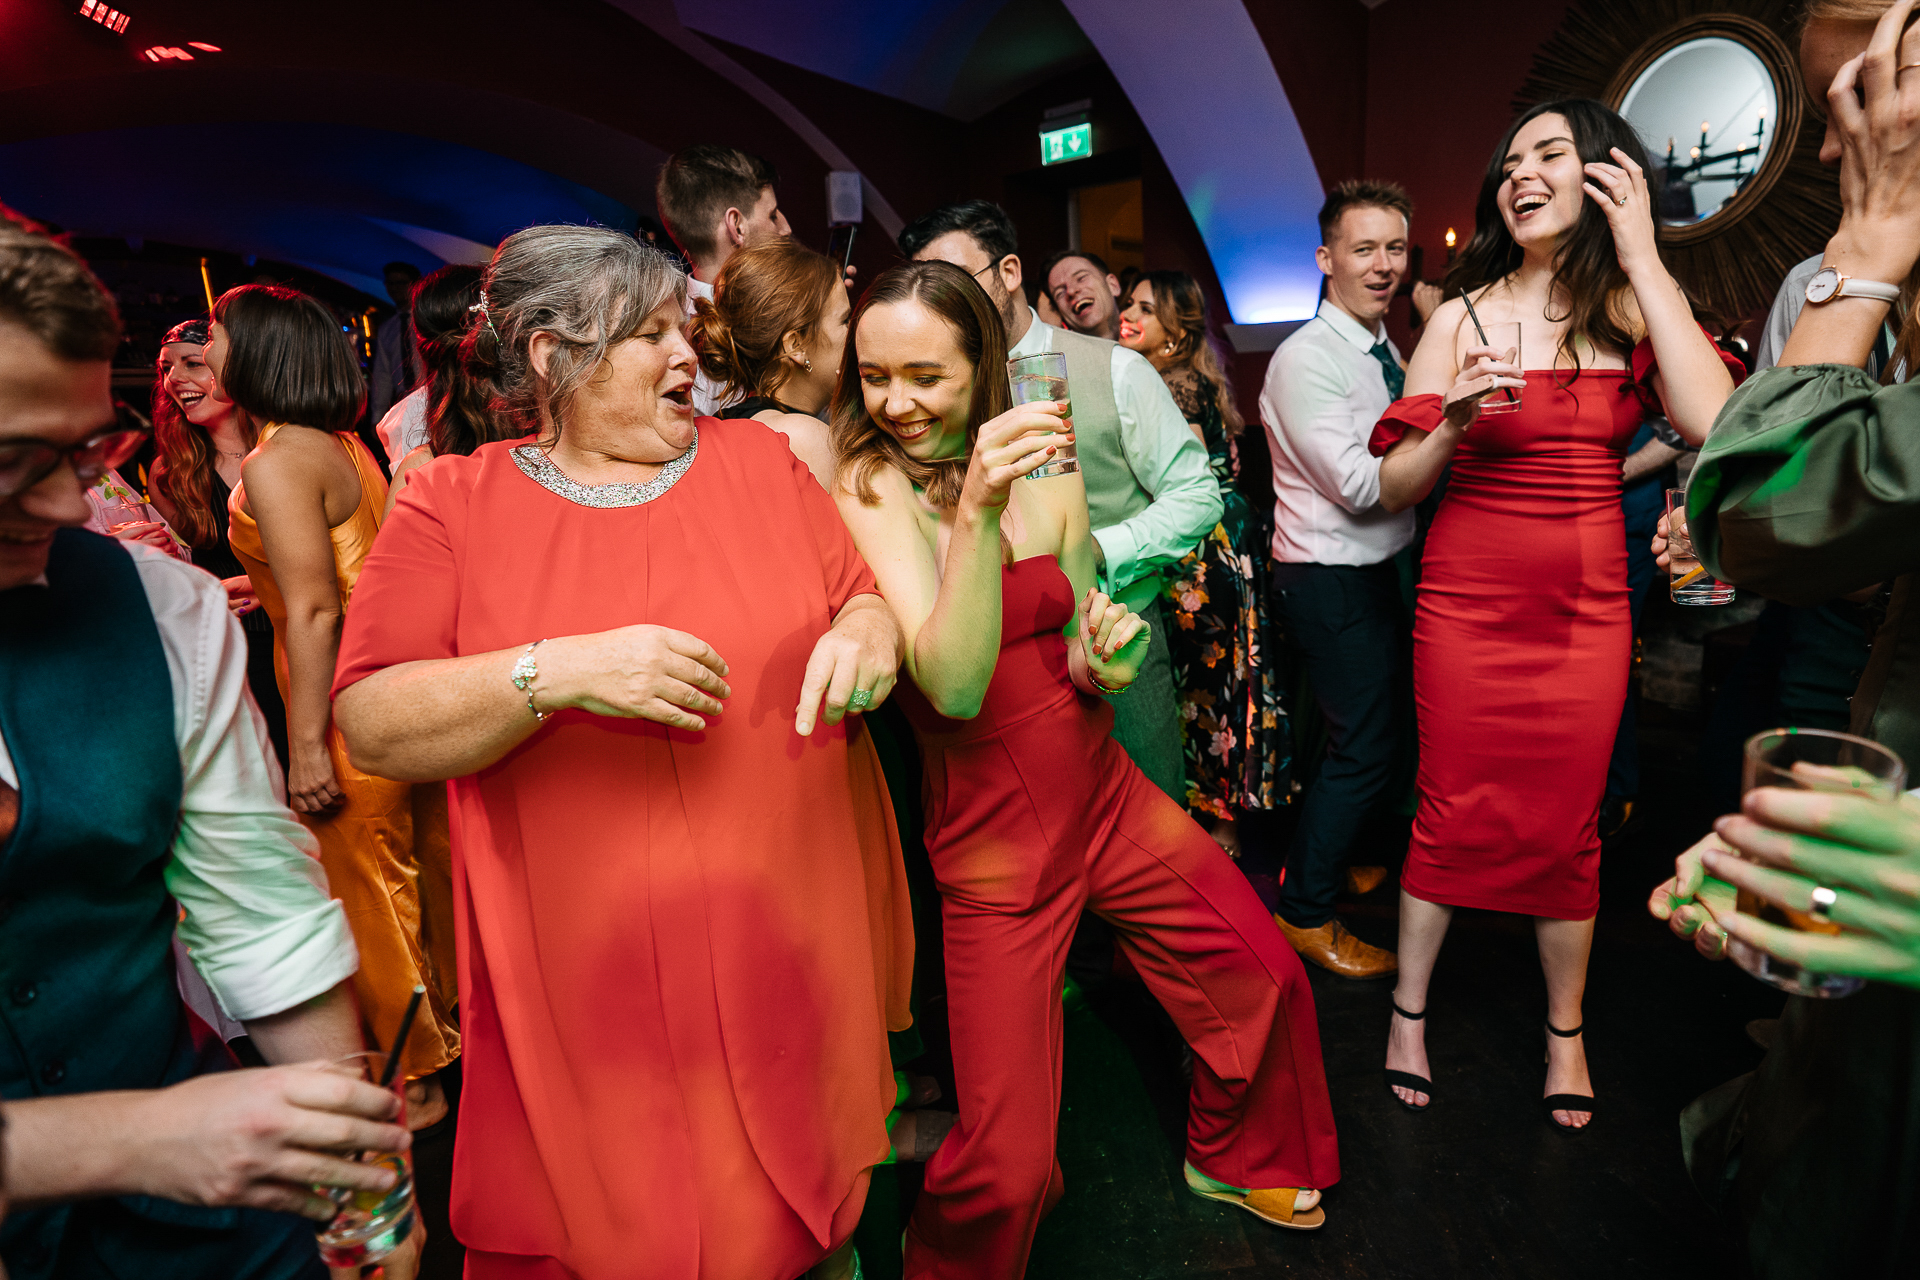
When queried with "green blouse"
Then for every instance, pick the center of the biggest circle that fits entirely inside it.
(1808, 489)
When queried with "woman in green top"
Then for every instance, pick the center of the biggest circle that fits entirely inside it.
(1809, 489)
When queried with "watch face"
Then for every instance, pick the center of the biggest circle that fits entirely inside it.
(1825, 283)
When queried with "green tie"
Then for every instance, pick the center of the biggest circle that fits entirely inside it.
(1390, 368)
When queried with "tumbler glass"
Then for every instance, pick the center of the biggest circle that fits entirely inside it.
(1688, 581)
(367, 1226)
(1505, 337)
(1810, 760)
(1044, 377)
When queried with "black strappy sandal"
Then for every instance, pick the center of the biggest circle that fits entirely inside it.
(1567, 1101)
(1406, 1079)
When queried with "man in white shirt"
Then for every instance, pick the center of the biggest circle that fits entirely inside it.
(135, 775)
(716, 200)
(1084, 292)
(1149, 492)
(1334, 545)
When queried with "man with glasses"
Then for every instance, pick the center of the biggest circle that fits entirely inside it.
(137, 790)
(1149, 492)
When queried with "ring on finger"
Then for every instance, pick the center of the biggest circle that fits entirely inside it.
(1621, 201)
(859, 698)
(1823, 900)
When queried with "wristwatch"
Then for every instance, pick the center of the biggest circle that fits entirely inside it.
(1828, 284)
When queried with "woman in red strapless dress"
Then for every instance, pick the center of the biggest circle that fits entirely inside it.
(1522, 638)
(1033, 812)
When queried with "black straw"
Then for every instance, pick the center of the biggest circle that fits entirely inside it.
(400, 1038)
(1471, 315)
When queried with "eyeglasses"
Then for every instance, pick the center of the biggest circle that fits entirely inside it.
(991, 266)
(25, 463)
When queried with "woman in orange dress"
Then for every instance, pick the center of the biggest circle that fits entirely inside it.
(683, 922)
(301, 522)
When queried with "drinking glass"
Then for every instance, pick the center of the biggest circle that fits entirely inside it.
(123, 512)
(1810, 760)
(1504, 336)
(1044, 377)
(367, 1226)
(1688, 581)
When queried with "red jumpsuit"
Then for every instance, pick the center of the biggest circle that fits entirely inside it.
(1034, 813)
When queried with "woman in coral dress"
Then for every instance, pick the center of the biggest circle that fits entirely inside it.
(1522, 636)
(683, 926)
(1033, 812)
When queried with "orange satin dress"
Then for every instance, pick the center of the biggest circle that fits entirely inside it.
(385, 848)
(680, 952)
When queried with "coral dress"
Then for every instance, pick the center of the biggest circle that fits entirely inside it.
(1522, 641)
(680, 952)
(1034, 812)
(385, 848)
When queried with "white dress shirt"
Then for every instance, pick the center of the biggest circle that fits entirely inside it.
(708, 396)
(1323, 394)
(257, 919)
(404, 428)
(1168, 462)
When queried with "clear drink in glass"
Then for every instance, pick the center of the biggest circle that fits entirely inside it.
(1044, 377)
(1810, 760)
(1688, 581)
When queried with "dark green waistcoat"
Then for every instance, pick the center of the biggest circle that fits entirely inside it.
(88, 998)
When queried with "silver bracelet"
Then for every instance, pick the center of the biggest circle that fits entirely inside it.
(525, 672)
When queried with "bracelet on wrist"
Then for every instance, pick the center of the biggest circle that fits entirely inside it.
(1104, 689)
(525, 672)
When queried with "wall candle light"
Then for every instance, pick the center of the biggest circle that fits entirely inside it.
(1451, 241)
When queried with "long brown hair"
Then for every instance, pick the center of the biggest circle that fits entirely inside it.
(761, 296)
(186, 449)
(1177, 297)
(863, 445)
(1587, 277)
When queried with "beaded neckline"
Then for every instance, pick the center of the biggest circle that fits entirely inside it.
(537, 467)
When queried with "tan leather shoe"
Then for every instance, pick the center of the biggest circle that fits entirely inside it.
(1364, 880)
(1339, 952)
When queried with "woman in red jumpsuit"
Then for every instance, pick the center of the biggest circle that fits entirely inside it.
(1523, 637)
(1033, 812)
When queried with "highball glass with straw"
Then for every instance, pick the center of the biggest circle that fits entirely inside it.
(1688, 581)
(367, 1226)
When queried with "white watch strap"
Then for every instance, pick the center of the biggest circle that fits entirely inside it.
(1852, 287)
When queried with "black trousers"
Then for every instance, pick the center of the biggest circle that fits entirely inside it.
(1344, 622)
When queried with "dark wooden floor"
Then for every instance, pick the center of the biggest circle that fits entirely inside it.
(1480, 1185)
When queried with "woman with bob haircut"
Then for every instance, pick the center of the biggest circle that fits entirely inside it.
(301, 522)
(1033, 811)
(772, 335)
(1523, 636)
(685, 931)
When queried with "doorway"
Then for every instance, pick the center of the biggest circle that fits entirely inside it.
(1106, 220)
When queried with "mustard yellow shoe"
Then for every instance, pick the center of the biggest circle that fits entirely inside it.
(1281, 1206)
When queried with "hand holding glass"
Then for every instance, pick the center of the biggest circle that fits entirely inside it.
(1809, 760)
(1504, 337)
(1044, 377)
(1688, 581)
(367, 1226)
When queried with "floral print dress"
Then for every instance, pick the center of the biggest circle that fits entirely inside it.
(1239, 745)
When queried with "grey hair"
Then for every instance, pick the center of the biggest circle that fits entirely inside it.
(588, 287)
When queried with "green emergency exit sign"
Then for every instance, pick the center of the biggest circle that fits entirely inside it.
(1074, 142)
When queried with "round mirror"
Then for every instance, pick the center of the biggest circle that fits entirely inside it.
(1707, 110)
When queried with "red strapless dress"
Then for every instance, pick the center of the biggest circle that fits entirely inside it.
(1033, 812)
(1521, 643)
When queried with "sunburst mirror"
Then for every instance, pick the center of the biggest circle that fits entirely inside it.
(1715, 94)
